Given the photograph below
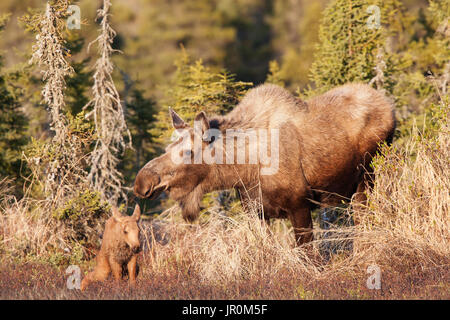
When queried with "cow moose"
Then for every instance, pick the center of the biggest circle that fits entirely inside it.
(323, 150)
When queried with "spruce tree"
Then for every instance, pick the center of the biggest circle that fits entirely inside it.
(295, 31)
(158, 27)
(197, 88)
(140, 119)
(350, 39)
(13, 125)
(275, 75)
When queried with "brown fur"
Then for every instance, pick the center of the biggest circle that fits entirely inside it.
(326, 144)
(119, 249)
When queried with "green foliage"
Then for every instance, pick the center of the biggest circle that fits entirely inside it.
(350, 41)
(249, 53)
(295, 33)
(140, 119)
(197, 88)
(425, 62)
(85, 215)
(40, 154)
(275, 75)
(32, 19)
(158, 27)
(425, 129)
(437, 116)
(13, 124)
(80, 82)
(59, 258)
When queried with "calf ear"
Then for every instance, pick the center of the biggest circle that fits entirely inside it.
(137, 212)
(177, 122)
(116, 214)
(201, 124)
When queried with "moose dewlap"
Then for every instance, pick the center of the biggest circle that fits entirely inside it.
(323, 152)
(119, 249)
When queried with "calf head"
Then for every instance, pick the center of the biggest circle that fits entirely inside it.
(127, 229)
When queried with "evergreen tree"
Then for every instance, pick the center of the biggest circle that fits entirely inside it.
(295, 33)
(350, 40)
(425, 80)
(109, 118)
(140, 119)
(275, 75)
(197, 88)
(13, 125)
(249, 53)
(79, 83)
(153, 30)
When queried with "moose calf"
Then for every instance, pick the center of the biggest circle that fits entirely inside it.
(119, 249)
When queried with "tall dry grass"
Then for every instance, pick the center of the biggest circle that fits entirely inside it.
(406, 222)
(29, 230)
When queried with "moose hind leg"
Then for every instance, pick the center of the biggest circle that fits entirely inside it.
(360, 199)
(100, 273)
(302, 223)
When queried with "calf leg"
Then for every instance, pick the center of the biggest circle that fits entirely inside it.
(100, 273)
(132, 270)
(116, 269)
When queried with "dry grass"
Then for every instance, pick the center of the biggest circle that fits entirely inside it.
(404, 230)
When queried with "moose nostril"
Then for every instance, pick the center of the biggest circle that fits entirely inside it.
(147, 194)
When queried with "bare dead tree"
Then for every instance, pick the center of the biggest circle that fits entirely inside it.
(58, 161)
(108, 116)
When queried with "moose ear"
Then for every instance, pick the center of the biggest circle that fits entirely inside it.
(177, 122)
(137, 212)
(201, 123)
(116, 214)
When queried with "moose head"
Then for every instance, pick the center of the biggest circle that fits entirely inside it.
(178, 170)
(126, 229)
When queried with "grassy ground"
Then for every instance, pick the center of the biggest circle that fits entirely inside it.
(42, 281)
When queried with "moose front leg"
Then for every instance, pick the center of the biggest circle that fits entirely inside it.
(302, 224)
(116, 269)
(132, 270)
